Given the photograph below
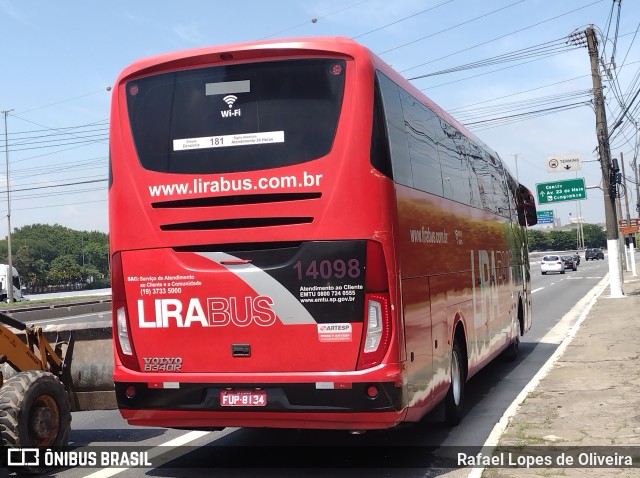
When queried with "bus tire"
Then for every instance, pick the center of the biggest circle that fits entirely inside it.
(34, 411)
(454, 401)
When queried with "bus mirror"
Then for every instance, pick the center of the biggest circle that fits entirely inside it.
(530, 215)
(526, 207)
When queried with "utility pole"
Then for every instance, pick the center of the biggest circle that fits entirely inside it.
(624, 182)
(9, 259)
(516, 158)
(631, 256)
(610, 190)
(635, 170)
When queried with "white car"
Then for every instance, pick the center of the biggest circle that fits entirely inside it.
(552, 264)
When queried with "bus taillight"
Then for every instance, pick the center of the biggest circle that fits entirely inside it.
(121, 327)
(123, 332)
(376, 332)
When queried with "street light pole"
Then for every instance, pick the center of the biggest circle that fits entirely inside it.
(9, 258)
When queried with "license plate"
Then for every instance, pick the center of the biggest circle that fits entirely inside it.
(243, 398)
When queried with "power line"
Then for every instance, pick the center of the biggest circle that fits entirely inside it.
(49, 206)
(468, 114)
(57, 185)
(546, 49)
(516, 94)
(501, 36)
(103, 137)
(502, 120)
(401, 20)
(450, 28)
(480, 74)
(59, 193)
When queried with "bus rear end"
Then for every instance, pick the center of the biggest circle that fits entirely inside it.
(251, 259)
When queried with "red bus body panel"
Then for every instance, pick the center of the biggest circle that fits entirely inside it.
(195, 299)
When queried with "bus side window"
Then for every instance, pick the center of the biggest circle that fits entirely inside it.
(380, 158)
(400, 163)
(421, 125)
(501, 192)
(472, 177)
(456, 171)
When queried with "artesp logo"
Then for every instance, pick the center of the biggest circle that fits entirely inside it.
(334, 327)
(23, 457)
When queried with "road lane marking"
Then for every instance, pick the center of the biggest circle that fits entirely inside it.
(496, 433)
(156, 452)
(536, 290)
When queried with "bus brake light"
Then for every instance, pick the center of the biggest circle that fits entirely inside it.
(121, 327)
(377, 331)
(123, 332)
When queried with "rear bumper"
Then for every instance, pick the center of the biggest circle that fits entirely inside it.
(304, 420)
(341, 403)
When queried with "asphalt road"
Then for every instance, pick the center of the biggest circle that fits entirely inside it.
(251, 452)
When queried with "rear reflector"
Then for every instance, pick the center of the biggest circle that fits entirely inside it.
(130, 391)
(372, 391)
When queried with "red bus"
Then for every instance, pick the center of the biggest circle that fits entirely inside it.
(301, 239)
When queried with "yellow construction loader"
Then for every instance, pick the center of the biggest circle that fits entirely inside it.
(35, 405)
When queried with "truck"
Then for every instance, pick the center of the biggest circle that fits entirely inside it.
(4, 283)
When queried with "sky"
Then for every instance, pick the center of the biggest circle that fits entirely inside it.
(59, 60)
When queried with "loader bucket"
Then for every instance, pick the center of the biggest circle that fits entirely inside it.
(88, 377)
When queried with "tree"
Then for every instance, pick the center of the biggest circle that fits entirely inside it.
(594, 236)
(563, 240)
(538, 240)
(56, 255)
(97, 255)
(66, 269)
(556, 240)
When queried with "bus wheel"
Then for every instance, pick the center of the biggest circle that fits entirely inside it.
(454, 401)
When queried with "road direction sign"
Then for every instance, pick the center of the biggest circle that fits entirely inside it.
(545, 217)
(564, 163)
(629, 222)
(565, 190)
(628, 230)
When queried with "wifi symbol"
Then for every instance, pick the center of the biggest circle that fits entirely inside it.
(230, 100)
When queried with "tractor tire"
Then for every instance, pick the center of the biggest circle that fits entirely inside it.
(34, 411)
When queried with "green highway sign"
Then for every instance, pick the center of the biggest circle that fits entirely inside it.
(545, 217)
(557, 191)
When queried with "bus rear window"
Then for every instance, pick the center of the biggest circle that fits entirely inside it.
(236, 118)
